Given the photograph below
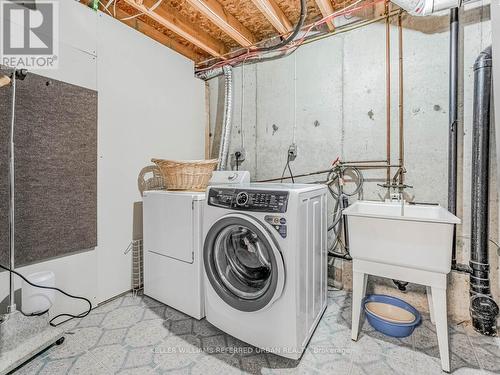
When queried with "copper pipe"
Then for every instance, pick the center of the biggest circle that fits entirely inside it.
(401, 102)
(296, 176)
(363, 162)
(350, 27)
(388, 85)
(380, 166)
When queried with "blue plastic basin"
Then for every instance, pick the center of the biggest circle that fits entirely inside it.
(391, 328)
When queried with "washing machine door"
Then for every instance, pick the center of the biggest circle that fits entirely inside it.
(243, 263)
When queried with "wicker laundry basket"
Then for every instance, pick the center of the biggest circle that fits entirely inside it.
(191, 175)
(150, 178)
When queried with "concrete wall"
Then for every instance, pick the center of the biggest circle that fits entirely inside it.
(149, 105)
(329, 98)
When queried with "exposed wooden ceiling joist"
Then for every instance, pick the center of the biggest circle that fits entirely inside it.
(168, 17)
(275, 15)
(214, 11)
(150, 31)
(326, 8)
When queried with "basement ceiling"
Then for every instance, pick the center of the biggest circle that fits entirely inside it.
(204, 29)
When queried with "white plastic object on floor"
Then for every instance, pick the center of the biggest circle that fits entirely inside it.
(36, 300)
(411, 244)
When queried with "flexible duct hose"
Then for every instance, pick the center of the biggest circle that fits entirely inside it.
(227, 119)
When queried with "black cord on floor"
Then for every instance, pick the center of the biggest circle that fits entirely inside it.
(79, 316)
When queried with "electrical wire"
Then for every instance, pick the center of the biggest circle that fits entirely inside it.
(110, 2)
(105, 7)
(295, 32)
(148, 10)
(291, 174)
(293, 45)
(79, 316)
(287, 166)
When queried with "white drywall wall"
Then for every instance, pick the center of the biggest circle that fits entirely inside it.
(150, 105)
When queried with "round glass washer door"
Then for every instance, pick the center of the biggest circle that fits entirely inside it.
(243, 263)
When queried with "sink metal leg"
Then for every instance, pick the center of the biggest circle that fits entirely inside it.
(429, 301)
(441, 318)
(359, 280)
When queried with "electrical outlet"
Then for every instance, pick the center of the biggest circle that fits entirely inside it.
(292, 152)
(239, 154)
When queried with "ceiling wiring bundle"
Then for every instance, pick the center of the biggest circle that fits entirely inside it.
(289, 44)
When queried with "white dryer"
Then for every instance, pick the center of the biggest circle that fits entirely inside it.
(265, 257)
(173, 239)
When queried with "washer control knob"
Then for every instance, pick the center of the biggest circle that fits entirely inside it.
(242, 198)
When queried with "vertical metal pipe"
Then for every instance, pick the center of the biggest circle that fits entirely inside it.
(388, 86)
(453, 122)
(401, 101)
(227, 119)
(12, 303)
(483, 309)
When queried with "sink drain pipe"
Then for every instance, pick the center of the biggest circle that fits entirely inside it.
(227, 119)
(453, 131)
(483, 308)
(453, 118)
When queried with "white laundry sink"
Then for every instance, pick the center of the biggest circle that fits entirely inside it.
(416, 236)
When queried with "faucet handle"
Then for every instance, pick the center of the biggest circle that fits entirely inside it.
(395, 186)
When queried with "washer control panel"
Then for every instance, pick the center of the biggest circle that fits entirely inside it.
(249, 200)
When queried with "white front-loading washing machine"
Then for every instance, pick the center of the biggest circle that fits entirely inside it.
(173, 239)
(265, 258)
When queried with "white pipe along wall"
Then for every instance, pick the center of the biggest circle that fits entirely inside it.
(329, 98)
(149, 105)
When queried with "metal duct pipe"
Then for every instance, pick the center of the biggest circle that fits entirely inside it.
(427, 7)
(227, 119)
(209, 74)
(453, 124)
(483, 308)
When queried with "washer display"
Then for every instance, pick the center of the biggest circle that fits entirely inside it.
(243, 200)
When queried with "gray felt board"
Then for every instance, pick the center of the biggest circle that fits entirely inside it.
(55, 169)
